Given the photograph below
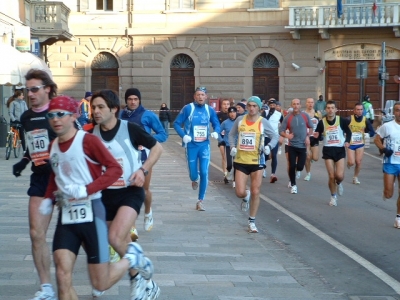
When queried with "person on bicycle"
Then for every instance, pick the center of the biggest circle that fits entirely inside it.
(16, 109)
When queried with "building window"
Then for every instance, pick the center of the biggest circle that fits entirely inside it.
(104, 5)
(266, 3)
(181, 4)
(266, 61)
(182, 61)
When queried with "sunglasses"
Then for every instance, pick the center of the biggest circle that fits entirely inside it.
(58, 114)
(34, 89)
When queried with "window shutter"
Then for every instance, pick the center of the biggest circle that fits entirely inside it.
(120, 5)
(181, 4)
(266, 3)
(83, 5)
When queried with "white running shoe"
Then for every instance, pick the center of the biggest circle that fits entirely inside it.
(138, 288)
(245, 201)
(280, 150)
(265, 173)
(340, 189)
(97, 293)
(42, 295)
(356, 181)
(152, 290)
(230, 175)
(138, 261)
(298, 174)
(293, 189)
(200, 206)
(148, 222)
(308, 177)
(252, 227)
(333, 201)
(233, 184)
(397, 223)
(289, 185)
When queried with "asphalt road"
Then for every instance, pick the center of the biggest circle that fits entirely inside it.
(353, 247)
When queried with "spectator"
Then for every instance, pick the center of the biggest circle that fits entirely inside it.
(165, 117)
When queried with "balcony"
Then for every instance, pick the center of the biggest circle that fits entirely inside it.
(48, 20)
(353, 16)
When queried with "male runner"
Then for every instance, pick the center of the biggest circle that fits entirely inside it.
(388, 142)
(196, 118)
(149, 121)
(359, 125)
(222, 116)
(40, 89)
(76, 186)
(249, 131)
(124, 198)
(337, 136)
(313, 148)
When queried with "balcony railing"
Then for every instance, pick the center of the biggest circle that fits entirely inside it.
(48, 20)
(353, 15)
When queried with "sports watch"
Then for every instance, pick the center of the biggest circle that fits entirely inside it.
(145, 172)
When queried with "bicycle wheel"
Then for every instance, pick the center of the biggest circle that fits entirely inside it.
(17, 150)
(8, 146)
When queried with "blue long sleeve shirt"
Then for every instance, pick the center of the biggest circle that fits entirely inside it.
(227, 126)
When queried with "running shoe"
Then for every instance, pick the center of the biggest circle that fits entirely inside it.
(333, 201)
(308, 177)
(298, 174)
(289, 185)
(42, 295)
(114, 256)
(152, 290)
(265, 173)
(245, 201)
(233, 184)
(280, 150)
(226, 181)
(195, 184)
(138, 288)
(134, 234)
(273, 178)
(252, 227)
(230, 175)
(138, 261)
(97, 293)
(397, 223)
(294, 189)
(148, 222)
(356, 181)
(340, 189)
(200, 206)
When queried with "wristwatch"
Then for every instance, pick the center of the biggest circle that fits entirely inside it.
(145, 172)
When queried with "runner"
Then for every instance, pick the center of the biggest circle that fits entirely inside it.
(337, 136)
(40, 88)
(300, 128)
(313, 148)
(388, 142)
(124, 198)
(222, 116)
(76, 186)
(249, 131)
(196, 118)
(226, 127)
(359, 125)
(149, 121)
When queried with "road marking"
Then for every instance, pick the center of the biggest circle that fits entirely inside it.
(386, 278)
(373, 156)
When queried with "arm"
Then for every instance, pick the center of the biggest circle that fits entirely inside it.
(11, 111)
(369, 128)
(214, 121)
(269, 132)
(344, 124)
(180, 120)
(151, 121)
(220, 139)
(283, 128)
(234, 132)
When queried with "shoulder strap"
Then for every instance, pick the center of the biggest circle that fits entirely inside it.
(289, 121)
(291, 117)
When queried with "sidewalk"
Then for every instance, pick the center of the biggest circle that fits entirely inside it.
(197, 255)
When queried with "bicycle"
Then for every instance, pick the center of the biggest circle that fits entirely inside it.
(13, 141)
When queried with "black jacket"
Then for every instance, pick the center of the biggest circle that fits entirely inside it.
(164, 114)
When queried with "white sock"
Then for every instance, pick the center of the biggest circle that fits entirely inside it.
(47, 288)
(149, 214)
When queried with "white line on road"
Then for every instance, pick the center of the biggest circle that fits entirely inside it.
(390, 281)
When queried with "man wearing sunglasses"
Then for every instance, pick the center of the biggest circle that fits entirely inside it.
(40, 88)
(195, 118)
(75, 185)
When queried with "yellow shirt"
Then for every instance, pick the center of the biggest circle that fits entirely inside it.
(357, 131)
(250, 141)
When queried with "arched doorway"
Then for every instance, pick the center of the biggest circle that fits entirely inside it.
(182, 83)
(265, 76)
(105, 72)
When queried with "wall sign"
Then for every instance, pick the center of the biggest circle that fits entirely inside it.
(361, 52)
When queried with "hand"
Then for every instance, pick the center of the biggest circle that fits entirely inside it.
(187, 139)
(214, 135)
(19, 167)
(76, 191)
(46, 207)
(233, 151)
(387, 152)
(267, 150)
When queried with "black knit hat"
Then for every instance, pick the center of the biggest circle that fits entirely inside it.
(134, 92)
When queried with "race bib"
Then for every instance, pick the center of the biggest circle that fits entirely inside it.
(332, 136)
(75, 212)
(200, 133)
(38, 145)
(357, 138)
(396, 148)
(247, 141)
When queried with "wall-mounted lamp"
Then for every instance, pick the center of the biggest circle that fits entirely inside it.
(296, 67)
(322, 70)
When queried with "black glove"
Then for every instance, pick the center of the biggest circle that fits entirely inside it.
(19, 167)
(387, 152)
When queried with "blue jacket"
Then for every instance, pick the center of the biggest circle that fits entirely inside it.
(227, 126)
(199, 117)
(147, 120)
